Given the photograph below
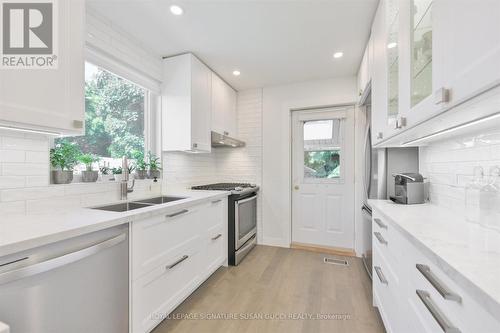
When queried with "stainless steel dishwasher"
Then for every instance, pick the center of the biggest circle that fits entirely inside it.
(78, 285)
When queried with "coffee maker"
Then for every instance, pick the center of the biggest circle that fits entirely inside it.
(409, 188)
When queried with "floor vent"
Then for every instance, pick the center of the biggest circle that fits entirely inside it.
(334, 261)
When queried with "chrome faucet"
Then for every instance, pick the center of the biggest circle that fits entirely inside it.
(125, 189)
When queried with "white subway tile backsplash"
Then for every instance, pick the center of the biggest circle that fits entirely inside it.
(24, 169)
(449, 165)
(12, 182)
(35, 181)
(21, 143)
(31, 193)
(37, 157)
(12, 208)
(12, 156)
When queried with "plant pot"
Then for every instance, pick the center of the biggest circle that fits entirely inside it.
(154, 174)
(90, 176)
(141, 174)
(118, 177)
(62, 177)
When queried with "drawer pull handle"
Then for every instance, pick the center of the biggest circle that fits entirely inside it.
(440, 318)
(184, 211)
(380, 275)
(216, 201)
(217, 237)
(184, 257)
(380, 223)
(380, 238)
(438, 284)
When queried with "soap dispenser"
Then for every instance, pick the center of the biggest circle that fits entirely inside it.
(472, 192)
(489, 200)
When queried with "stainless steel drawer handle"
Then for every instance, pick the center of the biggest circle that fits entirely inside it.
(380, 275)
(216, 201)
(440, 318)
(438, 284)
(380, 223)
(380, 238)
(184, 257)
(184, 211)
(217, 237)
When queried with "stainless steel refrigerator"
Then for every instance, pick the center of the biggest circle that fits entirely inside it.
(379, 166)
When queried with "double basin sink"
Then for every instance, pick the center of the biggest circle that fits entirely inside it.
(127, 206)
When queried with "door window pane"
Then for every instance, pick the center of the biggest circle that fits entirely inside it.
(322, 152)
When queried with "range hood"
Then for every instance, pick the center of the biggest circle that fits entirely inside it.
(220, 140)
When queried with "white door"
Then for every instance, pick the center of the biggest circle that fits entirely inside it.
(323, 177)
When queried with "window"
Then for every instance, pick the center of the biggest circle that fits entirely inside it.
(115, 116)
(322, 152)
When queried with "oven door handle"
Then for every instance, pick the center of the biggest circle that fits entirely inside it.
(239, 202)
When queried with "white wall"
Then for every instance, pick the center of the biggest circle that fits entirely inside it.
(276, 186)
(449, 165)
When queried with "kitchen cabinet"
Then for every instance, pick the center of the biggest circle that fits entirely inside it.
(413, 294)
(50, 99)
(186, 98)
(379, 79)
(224, 120)
(448, 53)
(172, 254)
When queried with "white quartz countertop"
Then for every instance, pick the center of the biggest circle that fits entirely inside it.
(468, 253)
(19, 233)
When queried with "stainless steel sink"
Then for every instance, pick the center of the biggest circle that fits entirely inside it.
(123, 207)
(159, 200)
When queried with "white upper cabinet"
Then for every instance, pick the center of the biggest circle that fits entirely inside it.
(441, 54)
(186, 95)
(50, 99)
(469, 46)
(379, 79)
(224, 120)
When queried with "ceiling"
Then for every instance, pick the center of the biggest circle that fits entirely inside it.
(269, 41)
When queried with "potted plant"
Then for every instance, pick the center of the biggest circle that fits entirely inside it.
(106, 173)
(154, 166)
(117, 173)
(89, 175)
(63, 158)
(141, 167)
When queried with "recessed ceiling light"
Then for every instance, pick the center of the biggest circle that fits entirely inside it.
(392, 45)
(236, 73)
(337, 55)
(176, 10)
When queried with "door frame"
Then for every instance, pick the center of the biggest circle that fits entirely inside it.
(291, 109)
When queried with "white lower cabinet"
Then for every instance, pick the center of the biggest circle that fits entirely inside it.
(414, 295)
(172, 254)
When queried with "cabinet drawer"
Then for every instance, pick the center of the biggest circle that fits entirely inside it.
(214, 214)
(214, 254)
(389, 240)
(154, 239)
(160, 291)
(461, 310)
(386, 291)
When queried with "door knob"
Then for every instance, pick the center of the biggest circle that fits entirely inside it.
(296, 187)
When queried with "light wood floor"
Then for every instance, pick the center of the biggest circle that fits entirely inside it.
(277, 282)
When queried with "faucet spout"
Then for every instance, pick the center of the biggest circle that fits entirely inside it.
(125, 189)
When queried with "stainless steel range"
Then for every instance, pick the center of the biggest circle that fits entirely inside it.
(242, 217)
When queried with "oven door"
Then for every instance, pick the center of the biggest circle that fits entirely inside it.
(245, 224)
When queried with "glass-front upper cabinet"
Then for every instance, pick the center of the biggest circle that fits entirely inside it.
(421, 50)
(392, 20)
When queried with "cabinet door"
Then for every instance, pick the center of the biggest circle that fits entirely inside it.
(223, 107)
(50, 99)
(201, 106)
(379, 86)
(470, 48)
